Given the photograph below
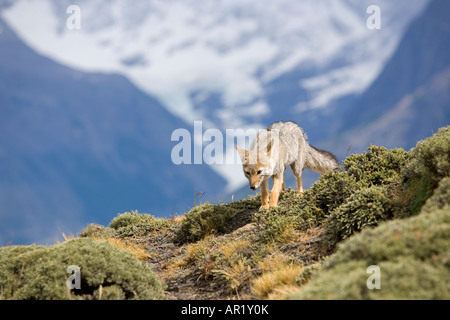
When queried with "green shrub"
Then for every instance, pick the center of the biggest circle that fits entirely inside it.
(206, 219)
(292, 211)
(365, 208)
(440, 197)
(39, 272)
(202, 220)
(134, 224)
(130, 218)
(96, 231)
(332, 190)
(428, 163)
(128, 224)
(430, 158)
(417, 191)
(377, 166)
(413, 255)
(307, 273)
(271, 224)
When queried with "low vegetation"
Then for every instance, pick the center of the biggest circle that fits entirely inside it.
(40, 272)
(389, 208)
(412, 254)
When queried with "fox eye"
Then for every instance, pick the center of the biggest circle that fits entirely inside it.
(247, 173)
(259, 172)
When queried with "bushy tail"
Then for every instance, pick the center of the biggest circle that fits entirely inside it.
(320, 161)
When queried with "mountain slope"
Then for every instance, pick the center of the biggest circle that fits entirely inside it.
(410, 99)
(76, 147)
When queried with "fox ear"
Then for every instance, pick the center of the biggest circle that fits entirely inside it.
(269, 147)
(243, 153)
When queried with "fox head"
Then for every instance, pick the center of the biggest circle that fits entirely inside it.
(257, 166)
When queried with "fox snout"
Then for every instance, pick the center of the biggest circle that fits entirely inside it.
(254, 182)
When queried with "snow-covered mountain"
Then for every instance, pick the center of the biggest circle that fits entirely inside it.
(229, 63)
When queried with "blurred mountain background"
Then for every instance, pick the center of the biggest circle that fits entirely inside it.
(86, 115)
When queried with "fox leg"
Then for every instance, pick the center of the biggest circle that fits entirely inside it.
(276, 189)
(299, 185)
(265, 194)
(297, 169)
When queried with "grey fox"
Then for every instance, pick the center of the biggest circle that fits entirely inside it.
(282, 144)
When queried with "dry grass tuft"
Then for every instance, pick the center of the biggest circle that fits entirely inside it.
(195, 252)
(133, 247)
(278, 278)
(237, 274)
(230, 248)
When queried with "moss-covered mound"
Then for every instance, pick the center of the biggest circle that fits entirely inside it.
(40, 272)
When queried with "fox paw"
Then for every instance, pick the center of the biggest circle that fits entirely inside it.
(264, 207)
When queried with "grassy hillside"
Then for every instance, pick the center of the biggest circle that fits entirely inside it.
(387, 208)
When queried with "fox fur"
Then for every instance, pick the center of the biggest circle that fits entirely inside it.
(281, 145)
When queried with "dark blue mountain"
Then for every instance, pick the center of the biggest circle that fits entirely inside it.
(78, 147)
